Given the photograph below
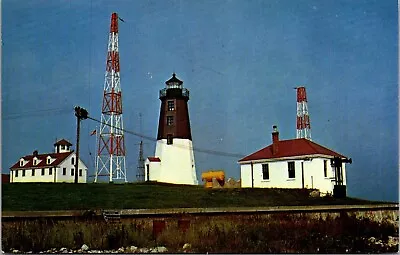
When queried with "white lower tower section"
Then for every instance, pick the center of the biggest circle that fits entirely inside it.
(177, 162)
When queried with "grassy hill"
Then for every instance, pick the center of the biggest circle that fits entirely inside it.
(63, 196)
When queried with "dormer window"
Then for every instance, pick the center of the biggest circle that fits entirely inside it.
(48, 161)
(62, 147)
(34, 162)
(21, 162)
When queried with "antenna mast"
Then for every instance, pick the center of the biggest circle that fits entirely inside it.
(140, 167)
(111, 146)
(303, 119)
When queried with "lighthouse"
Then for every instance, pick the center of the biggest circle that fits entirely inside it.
(174, 158)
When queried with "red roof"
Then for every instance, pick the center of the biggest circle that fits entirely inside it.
(292, 148)
(63, 142)
(154, 159)
(174, 79)
(59, 157)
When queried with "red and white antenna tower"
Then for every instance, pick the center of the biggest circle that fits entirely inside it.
(303, 119)
(111, 146)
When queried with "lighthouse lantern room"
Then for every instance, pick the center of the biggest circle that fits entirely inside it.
(174, 157)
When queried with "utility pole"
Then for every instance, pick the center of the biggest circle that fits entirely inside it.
(252, 174)
(80, 114)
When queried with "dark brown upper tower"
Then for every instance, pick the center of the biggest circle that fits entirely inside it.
(174, 114)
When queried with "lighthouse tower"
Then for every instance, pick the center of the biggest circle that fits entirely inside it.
(174, 157)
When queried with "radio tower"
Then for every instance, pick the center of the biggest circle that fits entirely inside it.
(140, 167)
(111, 147)
(303, 119)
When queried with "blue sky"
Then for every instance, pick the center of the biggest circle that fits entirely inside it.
(239, 59)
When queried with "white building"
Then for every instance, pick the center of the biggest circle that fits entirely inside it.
(296, 163)
(50, 167)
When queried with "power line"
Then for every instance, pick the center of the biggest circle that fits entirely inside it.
(219, 153)
(36, 113)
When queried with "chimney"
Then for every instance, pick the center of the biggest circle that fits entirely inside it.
(275, 140)
(35, 153)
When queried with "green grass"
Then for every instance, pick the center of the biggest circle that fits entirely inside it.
(63, 196)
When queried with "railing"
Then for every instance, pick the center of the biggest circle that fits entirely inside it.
(185, 92)
(163, 92)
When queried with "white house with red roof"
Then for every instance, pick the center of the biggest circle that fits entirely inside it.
(58, 166)
(295, 163)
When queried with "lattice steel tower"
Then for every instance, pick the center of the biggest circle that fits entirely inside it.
(111, 146)
(303, 119)
(140, 168)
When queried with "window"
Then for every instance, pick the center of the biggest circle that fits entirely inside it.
(169, 139)
(72, 161)
(171, 106)
(291, 171)
(62, 147)
(265, 171)
(16, 173)
(50, 171)
(170, 120)
(325, 168)
(48, 161)
(42, 171)
(23, 172)
(80, 172)
(64, 171)
(21, 163)
(33, 172)
(72, 172)
(34, 162)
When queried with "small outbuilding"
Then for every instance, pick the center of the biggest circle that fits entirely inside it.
(295, 163)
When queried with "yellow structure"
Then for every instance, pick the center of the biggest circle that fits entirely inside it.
(208, 177)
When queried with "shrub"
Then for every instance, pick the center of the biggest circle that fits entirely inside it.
(276, 233)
